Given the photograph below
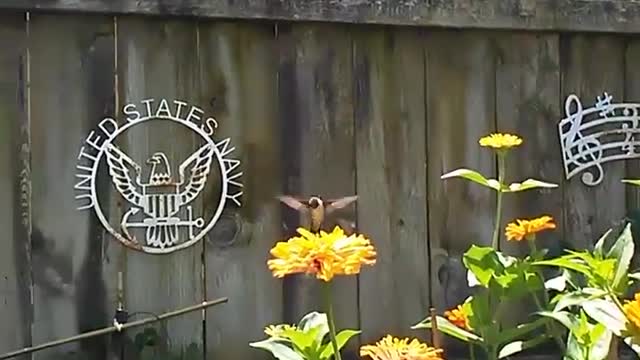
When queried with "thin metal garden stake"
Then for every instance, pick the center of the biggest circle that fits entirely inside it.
(435, 335)
(111, 329)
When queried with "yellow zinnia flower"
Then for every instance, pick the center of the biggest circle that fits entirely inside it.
(632, 313)
(323, 254)
(277, 330)
(458, 317)
(500, 141)
(390, 348)
(526, 229)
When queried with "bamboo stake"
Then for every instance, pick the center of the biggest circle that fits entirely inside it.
(111, 329)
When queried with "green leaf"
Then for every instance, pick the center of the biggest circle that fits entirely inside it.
(279, 350)
(622, 251)
(478, 309)
(341, 338)
(517, 346)
(521, 330)
(472, 280)
(606, 313)
(601, 342)
(599, 247)
(577, 298)
(631, 181)
(303, 340)
(566, 262)
(450, 329)
(558, 283)
(633, 344)
(574, 349)
(312, 320)
(473, 176)
(565, 318)
(483, 262)
(529, 184)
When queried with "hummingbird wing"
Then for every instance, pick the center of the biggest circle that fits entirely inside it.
(293, 202)
(349, 227)
(333, 205)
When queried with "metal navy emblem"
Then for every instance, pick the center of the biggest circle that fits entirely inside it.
(161, 215)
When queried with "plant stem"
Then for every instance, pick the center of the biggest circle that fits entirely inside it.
(471, 352)
(550, 328)
(332, 327)
(496, 230)
(493, 353)
(615, 299)
(588, 352)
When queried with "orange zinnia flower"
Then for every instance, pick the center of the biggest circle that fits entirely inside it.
(390, 348)
(323, 254)
(632, 313)
(458, 317)
(527, 229)
(500, 141)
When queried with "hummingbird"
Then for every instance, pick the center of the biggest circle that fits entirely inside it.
(316, 208)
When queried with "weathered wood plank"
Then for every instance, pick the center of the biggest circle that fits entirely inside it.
(71, 67)
(528, 84)
(590, 66)
(559, 15)
(632, 94)
(316, 88)
(15, 262)
(391, 168)
(239, 76)
(527, 104)
(157, 60)
(460, 110)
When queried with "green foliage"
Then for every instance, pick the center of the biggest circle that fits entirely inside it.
(494, 184)
(307, 341)
(502, 279)
(587, 303)
(450, 329)
(509, 277)
(150, 345)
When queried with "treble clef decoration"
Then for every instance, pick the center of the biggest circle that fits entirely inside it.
(583, 151)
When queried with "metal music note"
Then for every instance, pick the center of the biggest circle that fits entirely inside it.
(603, 104)
(632, 114)
(593, 136)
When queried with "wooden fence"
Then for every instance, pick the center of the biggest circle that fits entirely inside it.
(327, 108)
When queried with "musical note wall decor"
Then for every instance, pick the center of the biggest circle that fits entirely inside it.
(602, 133)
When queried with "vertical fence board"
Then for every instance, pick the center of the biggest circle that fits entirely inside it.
(71, 89)
(632, 95)
(157, 59)
(391, 149)
(316, 66)
(590, 66)
(528, 85)
(239, 75)
(15, 271)
(460, 110)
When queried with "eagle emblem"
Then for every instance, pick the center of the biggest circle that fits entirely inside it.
(161, 198)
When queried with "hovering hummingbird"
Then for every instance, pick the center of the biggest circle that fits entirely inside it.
(315, 208)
